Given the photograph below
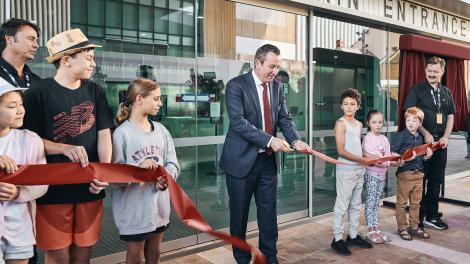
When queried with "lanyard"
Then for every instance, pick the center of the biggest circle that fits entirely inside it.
(26, 76)
(438, 103)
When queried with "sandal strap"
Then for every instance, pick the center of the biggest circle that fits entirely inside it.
(380, 233)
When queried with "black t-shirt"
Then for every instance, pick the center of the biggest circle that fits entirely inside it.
(10, 74)
(72, 117)
(420, 96)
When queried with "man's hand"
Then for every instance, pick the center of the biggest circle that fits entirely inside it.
(97, 186)
(148, 164)
(428, 138)
(8, 164)
(278, 145)
(443, 142)
(8, 191)
(76, 154)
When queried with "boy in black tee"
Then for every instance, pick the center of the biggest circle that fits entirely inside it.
(72, 116)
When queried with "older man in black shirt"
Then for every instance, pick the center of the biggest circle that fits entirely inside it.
(438, 106)
(18, 45)
(19, 41)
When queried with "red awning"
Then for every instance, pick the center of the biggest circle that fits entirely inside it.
(433, 46)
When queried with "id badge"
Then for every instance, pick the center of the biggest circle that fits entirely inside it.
(439, 118)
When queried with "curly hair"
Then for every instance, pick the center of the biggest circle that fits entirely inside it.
(351, 93)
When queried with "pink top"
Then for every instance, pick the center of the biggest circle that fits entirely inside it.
(377, 145)
(16, 217)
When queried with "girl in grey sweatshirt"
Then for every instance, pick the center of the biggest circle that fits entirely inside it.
(142, 210)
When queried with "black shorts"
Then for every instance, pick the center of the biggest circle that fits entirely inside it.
(144, 236)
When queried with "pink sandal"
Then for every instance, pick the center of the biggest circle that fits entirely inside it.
(384, 237)
(374, 237)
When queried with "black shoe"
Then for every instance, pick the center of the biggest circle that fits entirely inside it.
(358, 242)
(437, 223)
(340, 247)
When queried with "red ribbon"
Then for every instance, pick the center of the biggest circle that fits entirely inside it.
(420, 150)
(73, 173)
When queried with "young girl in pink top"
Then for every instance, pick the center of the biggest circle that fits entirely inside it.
(375, 145)
(17, 207)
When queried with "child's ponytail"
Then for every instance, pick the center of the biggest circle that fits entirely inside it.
(141, 87)
(123, 113)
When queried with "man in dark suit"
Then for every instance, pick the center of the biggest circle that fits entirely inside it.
(256, 107)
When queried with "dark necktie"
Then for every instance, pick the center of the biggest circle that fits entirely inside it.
(268, 120)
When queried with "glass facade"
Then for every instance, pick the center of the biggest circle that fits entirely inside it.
(346, 55)
(193, 48)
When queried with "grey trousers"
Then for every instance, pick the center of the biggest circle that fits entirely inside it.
(349, 184)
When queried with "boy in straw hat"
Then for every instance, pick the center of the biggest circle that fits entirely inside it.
(72, 116)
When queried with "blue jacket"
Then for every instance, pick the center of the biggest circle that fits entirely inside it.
(245, 135)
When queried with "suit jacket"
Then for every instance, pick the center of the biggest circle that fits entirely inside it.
(245, 134)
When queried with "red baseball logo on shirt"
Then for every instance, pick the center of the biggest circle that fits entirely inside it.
(81, 119)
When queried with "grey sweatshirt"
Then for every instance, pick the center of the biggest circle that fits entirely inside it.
(141, 207)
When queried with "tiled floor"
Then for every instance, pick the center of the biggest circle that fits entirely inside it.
(309, 241)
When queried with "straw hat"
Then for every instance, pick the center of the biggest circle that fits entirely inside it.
(6, 87)
(67, 42)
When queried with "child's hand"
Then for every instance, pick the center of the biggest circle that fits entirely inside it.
(97, 186)
(412, 157)
(161, 183)
(428, 153)
(76, 154)
(148, 164)
(302, 147)
(8, 191)
(367, 160)
(8, 164)
(399, 163)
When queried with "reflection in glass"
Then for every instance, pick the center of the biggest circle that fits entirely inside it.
(158, 40)
(228, 40)
(345, 56)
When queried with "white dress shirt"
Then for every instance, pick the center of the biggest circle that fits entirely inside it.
(259, 89)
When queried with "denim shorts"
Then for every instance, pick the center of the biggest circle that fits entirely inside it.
(144, 236)
(8, 251)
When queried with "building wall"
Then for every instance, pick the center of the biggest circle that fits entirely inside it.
(52, 16)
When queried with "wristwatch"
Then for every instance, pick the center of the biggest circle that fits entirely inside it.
(293, 144)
